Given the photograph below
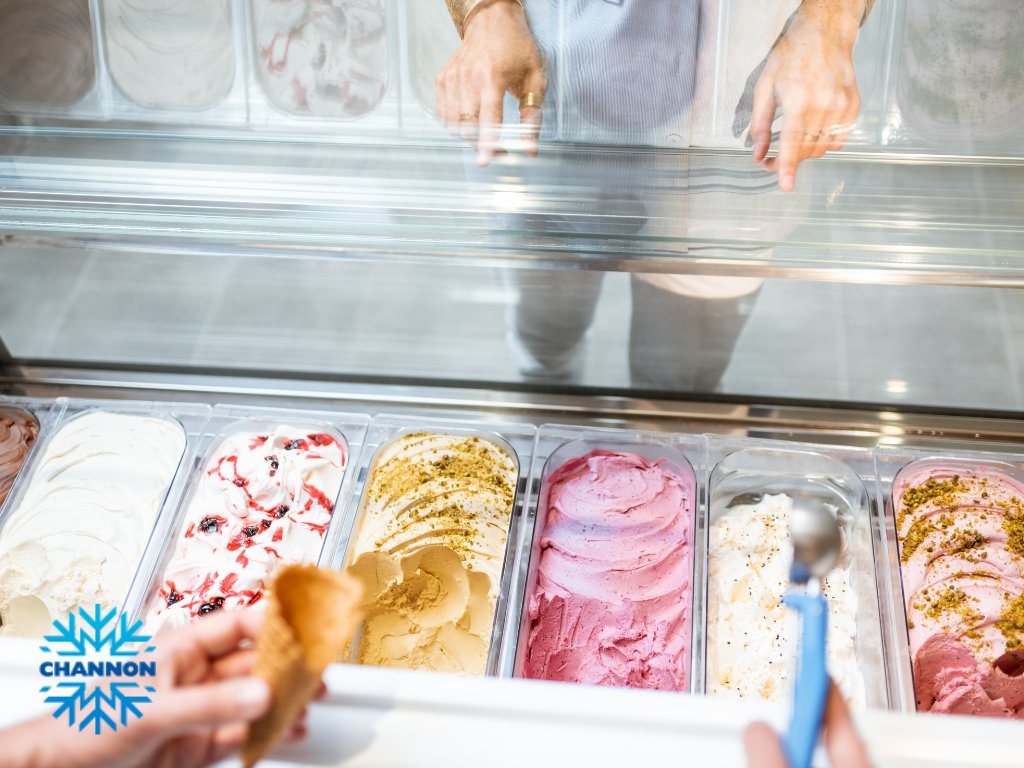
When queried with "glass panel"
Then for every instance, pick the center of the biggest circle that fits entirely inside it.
(297, 207)
(943, 346)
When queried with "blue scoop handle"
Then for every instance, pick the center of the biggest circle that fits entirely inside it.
(812, 681)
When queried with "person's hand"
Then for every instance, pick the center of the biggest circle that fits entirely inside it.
(845, 749)
(498, 54)
(204, 700)
(810, 76)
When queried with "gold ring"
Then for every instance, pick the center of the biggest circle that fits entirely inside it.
(531, 100)
(467, 116)
(809, 137)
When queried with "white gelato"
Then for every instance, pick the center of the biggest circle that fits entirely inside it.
(79, 532)
(170, 54)
(326, 58)
(751, 642)
(265, 499)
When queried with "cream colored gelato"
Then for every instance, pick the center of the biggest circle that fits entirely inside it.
(430, 551)
(170, 54)
(77, 536)
(752, 636)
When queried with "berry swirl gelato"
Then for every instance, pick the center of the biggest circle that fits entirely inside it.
(961, 540)
(265, 499)
(614, 593)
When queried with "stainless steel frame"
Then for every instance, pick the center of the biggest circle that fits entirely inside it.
(862, 425)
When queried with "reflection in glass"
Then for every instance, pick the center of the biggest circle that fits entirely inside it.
(962, 69)
(170, 54)
(326, 58)
(46, 51)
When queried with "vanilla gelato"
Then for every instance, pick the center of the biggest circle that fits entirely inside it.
(751, 641)
(170, 54)
(265, 499)
(326, 58)
(78, 533)
(430, 550)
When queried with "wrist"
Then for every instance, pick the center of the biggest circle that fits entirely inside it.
(464, 11)
(841, 17)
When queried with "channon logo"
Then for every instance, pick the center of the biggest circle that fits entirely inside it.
(91, 646)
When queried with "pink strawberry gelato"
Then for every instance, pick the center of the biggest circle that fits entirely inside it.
(961, 539)
(613, 600)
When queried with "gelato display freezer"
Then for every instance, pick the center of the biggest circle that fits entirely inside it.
(256, 315)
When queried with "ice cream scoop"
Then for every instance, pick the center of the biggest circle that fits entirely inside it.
(816, 545)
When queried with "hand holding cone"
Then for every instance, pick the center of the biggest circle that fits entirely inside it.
(311, 616)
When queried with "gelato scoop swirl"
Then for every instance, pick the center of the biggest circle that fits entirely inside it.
(612, 605)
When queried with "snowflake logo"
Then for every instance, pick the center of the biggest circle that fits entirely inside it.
(86, 702)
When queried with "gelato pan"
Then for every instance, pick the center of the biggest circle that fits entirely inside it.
(46, 51)
(961, 538)
(324, 58)
(751, 635)
(264, 499)
(79, 530)
(614, 588)
(170, 54)
(17, 435)
(429, 551)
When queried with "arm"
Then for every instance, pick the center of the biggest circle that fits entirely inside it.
(809, 74)
(498, 54)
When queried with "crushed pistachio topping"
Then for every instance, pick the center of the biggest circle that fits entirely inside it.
(1011, 623)
(928, 490)
(964, 540)
(918, 532)
(447, 490)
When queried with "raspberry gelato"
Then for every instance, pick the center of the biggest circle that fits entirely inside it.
(265, 499)
(961, 539)
(17, 434)
(430, 551)
(614, 593)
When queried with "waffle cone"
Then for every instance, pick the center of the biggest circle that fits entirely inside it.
(310, 619)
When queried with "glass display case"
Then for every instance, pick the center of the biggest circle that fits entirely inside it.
(290, 228)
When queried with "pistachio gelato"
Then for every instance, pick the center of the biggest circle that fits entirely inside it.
(430, 549)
